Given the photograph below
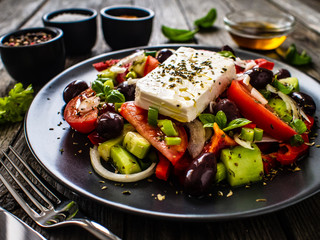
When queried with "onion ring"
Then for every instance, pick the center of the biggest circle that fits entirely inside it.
(105, 173)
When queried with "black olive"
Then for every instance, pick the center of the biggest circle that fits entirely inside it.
(229, 108)
(163, 54)
(128, 90)
(227, 48)
(109, 125)
(283, 73)
(260, 77)
(305, 102)
(106, 107)
(200, 175)
(74, 89)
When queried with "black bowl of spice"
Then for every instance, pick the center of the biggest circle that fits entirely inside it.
(79, 26)
(33, 55)
(126, 26)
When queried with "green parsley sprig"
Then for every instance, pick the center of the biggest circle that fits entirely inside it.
(14, 106)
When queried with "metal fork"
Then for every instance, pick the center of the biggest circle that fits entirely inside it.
(49, 215)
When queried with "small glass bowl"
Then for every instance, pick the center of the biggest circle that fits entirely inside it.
(259, 30)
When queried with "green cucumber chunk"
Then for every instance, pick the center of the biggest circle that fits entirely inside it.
(136, 144)
(243, 165)
(124, 161)
(167, 127)
(105, 147)
(221, 172)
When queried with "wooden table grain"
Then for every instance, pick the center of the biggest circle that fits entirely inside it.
(300, 221)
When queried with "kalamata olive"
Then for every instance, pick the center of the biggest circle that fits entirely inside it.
(229, 108)
(305, 102)
(201, 174)
(227, 48)
(106, 107)
(163, 54)
(109, 125)
(260, 77)
(74, 89)
(128, 90)
(283, 73)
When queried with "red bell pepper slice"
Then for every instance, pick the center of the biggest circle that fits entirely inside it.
(288, 154)
(163, 167)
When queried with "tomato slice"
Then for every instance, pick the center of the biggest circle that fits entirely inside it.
(263, 63)
(100, 66)
(85, 123)
(151, 63)
(138, 118)
(251, 109)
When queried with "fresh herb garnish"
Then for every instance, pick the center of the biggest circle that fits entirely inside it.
(236, 123)
(105, 91)
(293, 57)
(178, 35)
(15, 105)
(286, 89)
(221, 119)
(208, 20)
(227, 54)
(184, 35)
(207, 119)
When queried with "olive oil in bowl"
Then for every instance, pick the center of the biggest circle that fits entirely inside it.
(259, 32)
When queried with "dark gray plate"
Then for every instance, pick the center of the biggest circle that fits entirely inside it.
(48, 134)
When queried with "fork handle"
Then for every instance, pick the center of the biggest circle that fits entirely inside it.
(96, 229)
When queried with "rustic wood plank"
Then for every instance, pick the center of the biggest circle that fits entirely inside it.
(307, 14)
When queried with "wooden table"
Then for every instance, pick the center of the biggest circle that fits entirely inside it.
(301, 221)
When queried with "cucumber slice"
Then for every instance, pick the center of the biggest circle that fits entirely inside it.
(243, 165)
(124, 161)
(136, 144)
(105, 147)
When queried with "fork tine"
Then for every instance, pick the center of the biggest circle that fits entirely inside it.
(32, 213)
(32, 173)
(32, 198)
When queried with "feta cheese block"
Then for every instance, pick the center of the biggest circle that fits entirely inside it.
(183, 85)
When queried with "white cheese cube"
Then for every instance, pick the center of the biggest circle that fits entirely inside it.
(183, 85)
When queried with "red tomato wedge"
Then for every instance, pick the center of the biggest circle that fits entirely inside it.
(151, 63)
(258, 113)
(105, 64)
(138, 118)
(85, 123)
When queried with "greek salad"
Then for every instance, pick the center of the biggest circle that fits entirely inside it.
(193, 116)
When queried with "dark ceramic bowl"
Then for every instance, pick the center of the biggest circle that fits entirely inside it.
(79, 26)
(36, 63)
(126, 26)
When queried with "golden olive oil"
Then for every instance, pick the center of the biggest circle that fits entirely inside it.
(257, 35)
